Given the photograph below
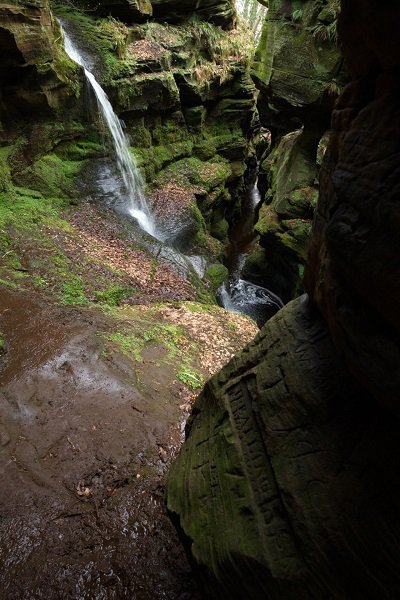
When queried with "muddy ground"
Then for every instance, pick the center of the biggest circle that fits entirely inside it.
(86, 439)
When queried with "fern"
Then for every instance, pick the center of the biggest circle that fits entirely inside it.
(297, 15)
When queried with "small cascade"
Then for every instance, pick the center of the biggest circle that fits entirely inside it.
(136, 204)
(236, 294)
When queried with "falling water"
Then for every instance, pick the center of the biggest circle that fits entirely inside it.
(137, 206)
(236, 294)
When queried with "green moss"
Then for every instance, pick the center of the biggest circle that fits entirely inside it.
(52, 175)
(113, 295)
(166, 335)
(25, 209)
(5, 172)
(10, 284)
(197, 307)
(73, 291)
(192, 173)
(216, 275)
(152, 160)
(107, 38)
(128, 344)
(79, 150)
(191, 378)
(205, 149)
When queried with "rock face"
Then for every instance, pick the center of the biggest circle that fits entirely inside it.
(353, 271)
(35, 75)
(183, 90)
(185, 94)
(287, 486)
(40, 100)
(298, 69)
(220, 12)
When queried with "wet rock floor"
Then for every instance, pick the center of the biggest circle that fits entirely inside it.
(83, 459)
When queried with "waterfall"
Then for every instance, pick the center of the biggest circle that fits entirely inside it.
(137, 206)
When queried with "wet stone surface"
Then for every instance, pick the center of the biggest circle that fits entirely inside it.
(83, 458)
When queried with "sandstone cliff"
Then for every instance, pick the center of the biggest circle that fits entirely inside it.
(298, 70)
(287, 486)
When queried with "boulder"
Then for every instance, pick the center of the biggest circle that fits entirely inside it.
(286, 487)
(288, 483)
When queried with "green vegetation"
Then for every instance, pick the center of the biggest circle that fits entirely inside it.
(25, 209)
(216, 275)
(32, 227)
(113, 295)
(52, 175)
(128, 344)
(139, 334)
(73, 291)
(108, 37)
(325, 33)
(297, 15)
(192, 173)
(167, 335)
(190, 378)
(221, 49)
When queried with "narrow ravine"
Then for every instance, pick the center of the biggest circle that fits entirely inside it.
(237, 294)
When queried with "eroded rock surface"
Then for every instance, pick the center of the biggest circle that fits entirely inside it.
(91, 414)
(353, 272)
(287, 485)
(34, 75)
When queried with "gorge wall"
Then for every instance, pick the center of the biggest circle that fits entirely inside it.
(298, 70)
(176, 74)
(287, 485)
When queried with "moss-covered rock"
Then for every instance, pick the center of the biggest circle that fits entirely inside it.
(48, 81)
(298, 70)
(297, 59)
(216, 275)
(185, 95)
(259, 487)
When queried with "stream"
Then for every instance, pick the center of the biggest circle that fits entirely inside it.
(237, 294)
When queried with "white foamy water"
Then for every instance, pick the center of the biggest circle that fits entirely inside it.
(137, 206)
(238, 295)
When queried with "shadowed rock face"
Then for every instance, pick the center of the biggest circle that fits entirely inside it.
(220, 12)
(287, 486)
(354, 268)
(33, 74)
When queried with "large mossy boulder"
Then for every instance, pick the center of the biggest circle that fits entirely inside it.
(288, 486)
(281, 488)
